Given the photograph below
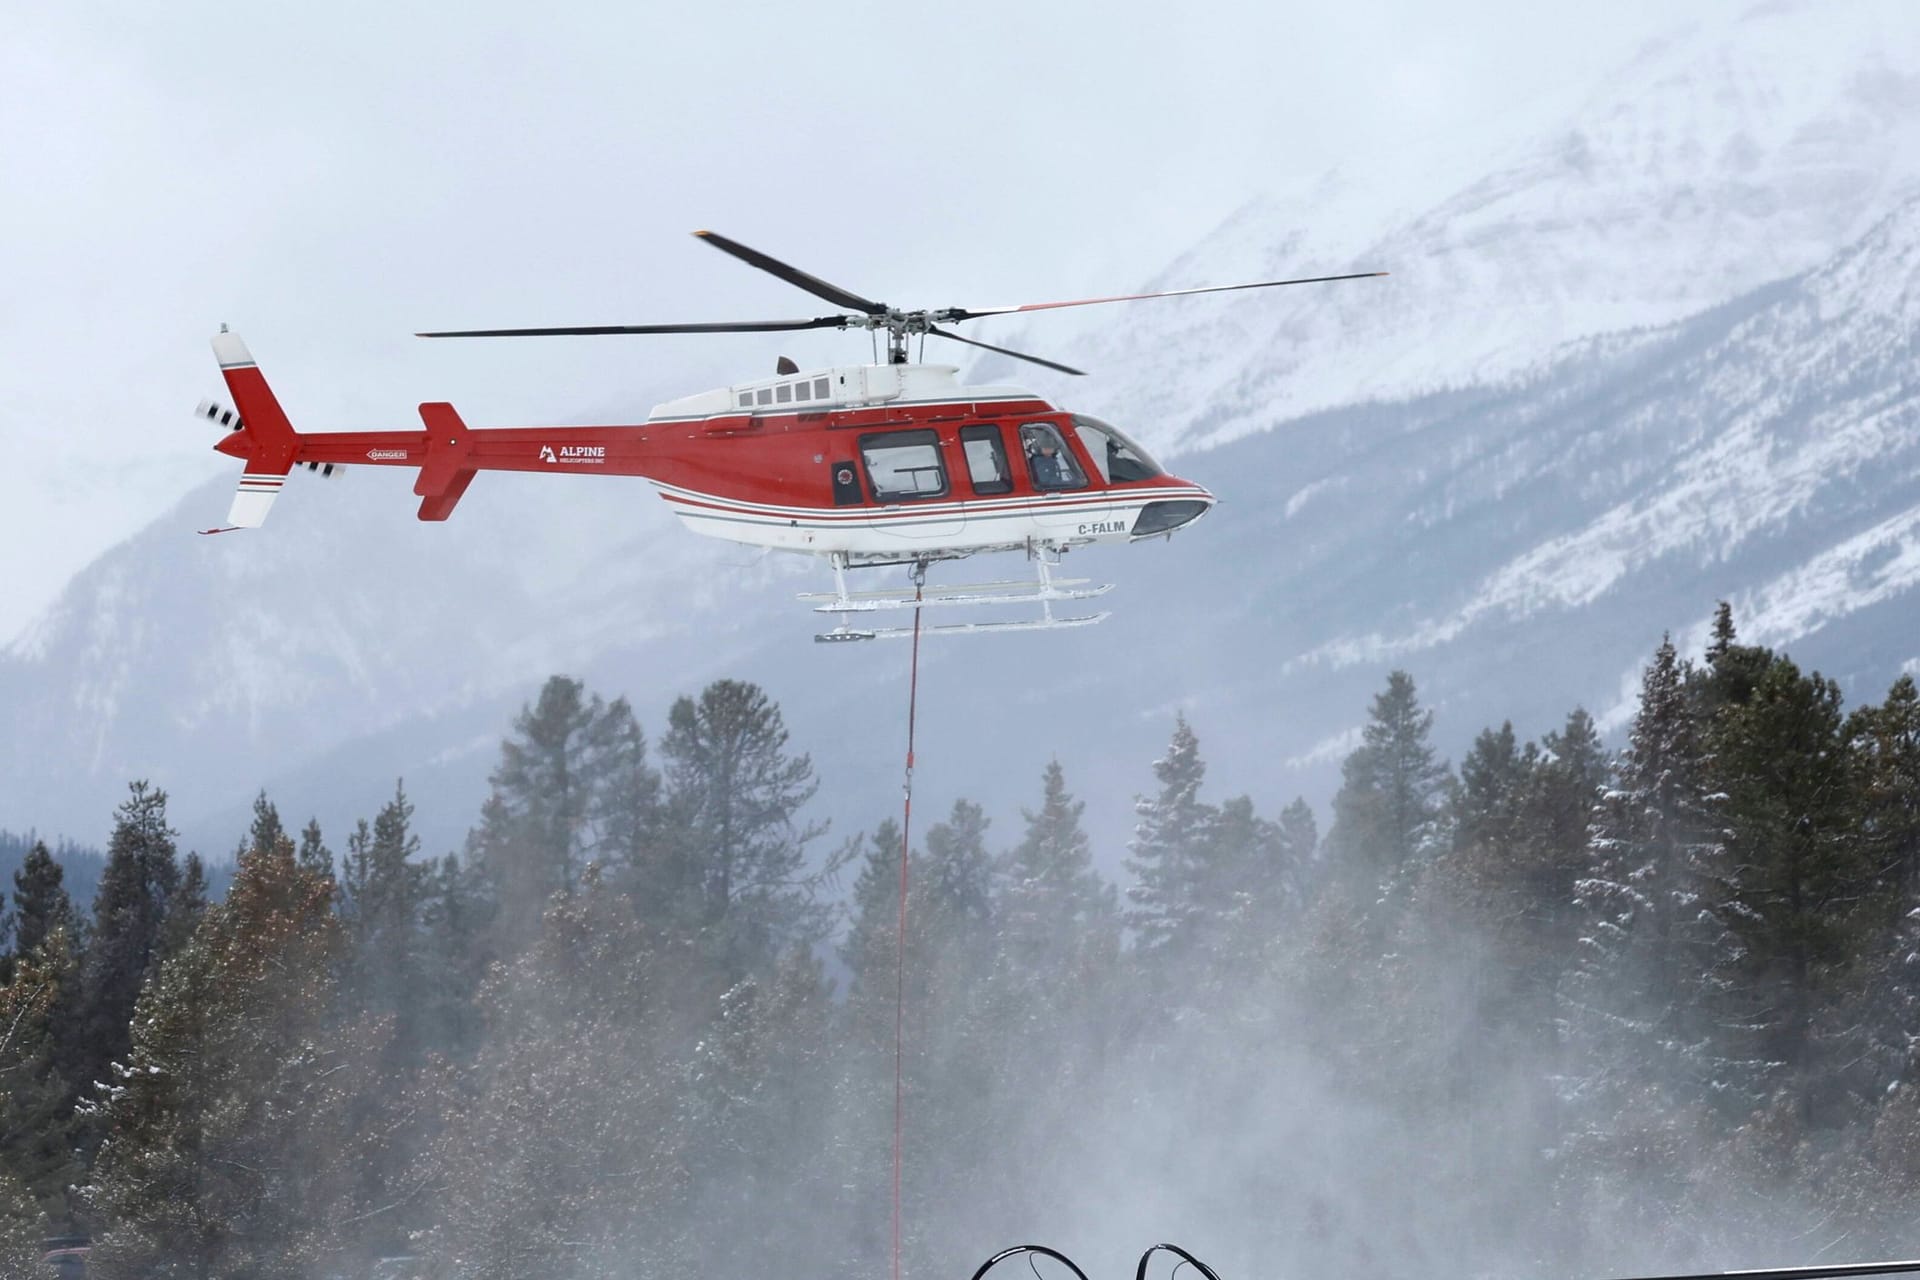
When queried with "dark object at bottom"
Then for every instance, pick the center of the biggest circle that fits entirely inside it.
(1140, 1272)
(1825, 1271)
(66, 1256)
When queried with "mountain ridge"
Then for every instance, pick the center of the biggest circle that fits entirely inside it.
(1519, 537)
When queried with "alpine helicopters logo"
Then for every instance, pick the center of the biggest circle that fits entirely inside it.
(591, 455)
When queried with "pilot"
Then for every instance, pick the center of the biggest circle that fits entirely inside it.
(1049, 468)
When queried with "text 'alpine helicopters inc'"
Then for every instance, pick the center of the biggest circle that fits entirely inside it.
(865, 465)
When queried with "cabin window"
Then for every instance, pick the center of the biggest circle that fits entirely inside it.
(801, 390)
(986, 459)
(819, 388)
(1049, 461)
(904, 464)
(763, 396)
(784, 393)
(1115, 456)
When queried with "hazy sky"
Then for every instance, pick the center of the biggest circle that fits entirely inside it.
(328, 179)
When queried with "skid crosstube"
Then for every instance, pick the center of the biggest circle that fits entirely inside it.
(842, 634)
(979, 594)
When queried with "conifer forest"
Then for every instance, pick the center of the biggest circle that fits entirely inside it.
(1573, 1007)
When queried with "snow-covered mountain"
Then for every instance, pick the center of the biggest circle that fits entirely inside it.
(1523, 545)
(1661, 354)
(1724, 156)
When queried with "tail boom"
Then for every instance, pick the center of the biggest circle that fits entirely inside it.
(446, 451)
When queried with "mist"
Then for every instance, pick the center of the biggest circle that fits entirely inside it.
(1552, 1011)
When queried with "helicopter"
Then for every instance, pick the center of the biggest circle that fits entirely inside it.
(884, 464)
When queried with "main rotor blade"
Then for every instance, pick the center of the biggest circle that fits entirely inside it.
(1007, 351)
(718, 326)
(1822, 1272)
(793, 275)
(965, 313)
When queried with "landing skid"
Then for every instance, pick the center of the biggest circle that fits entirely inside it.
(1042, 590)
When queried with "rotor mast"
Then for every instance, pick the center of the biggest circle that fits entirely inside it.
(901, 325)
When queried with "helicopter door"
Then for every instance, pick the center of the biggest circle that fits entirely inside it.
(986, 456)
(912, 488)
(1069, 509)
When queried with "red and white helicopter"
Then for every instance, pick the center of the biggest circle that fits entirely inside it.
(865, 465)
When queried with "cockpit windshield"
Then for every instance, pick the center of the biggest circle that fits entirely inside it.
(1117, 457)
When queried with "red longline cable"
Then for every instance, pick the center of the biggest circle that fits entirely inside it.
(900, 960)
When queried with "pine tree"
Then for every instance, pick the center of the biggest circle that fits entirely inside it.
(869, 946)
(1298, 851)
(186, 907)
(1499, 941)
(625, 811)
(1388, 813)
(1886, 742)
(36, 1142)
(1656, 835)
(951, 1084)
(734, 796)
(1489, 879)
(956, 879)
(1168, 856)
(1258, 881)
(454, 915)
(530, 842)
(1051, 1017)
(129, 928)
(382, 891)
(1566, 780)
(950, 923)
(864, 1029)
(1884, 746)
(40, 902)
(313, 855)
(21, 1227)
(763, 1126)
(398, 996)
(572, 785)
(225, 1153)
(1051, 903)
(949, 928)
(1789, 885)
(1489, 806)
(577, 1078)
(1733, 670)
(265, 831)
(38, 1029)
